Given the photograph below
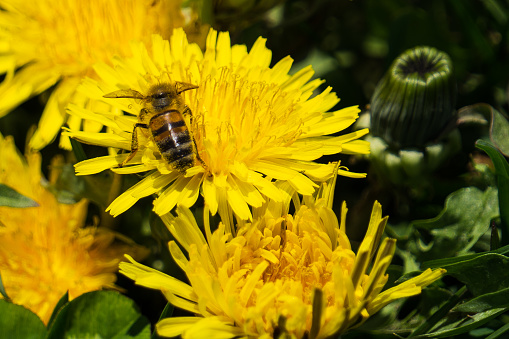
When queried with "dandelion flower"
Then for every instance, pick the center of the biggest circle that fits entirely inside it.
(44, 250)
(49, 43)
(288, 274)
(251, 123)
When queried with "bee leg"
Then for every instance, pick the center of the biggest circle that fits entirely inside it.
(198, 156)
(187, 111)
(134, 144)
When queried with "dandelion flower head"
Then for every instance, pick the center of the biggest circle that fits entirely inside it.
(47, 43)
(288, 274)
(44, 250)
(252, 124)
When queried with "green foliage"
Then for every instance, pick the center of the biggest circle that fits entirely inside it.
(101, 314)
(20, 323)
(463, 221)
(166, 313)
(61, 303)
(483, 273)
(2, 290)
(502, 171)
(11, 198)
(464, 325)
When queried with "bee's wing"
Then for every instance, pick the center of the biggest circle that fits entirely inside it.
(125, 93)
(184, 86)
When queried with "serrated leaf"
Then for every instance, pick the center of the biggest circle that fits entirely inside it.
(11, 198)
(482, 274)
(19, 322)
(502, 172)
(485, 302)
(464, 219)
(100, 314)
(464, 325)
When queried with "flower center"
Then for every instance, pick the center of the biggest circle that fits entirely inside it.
(240, 119)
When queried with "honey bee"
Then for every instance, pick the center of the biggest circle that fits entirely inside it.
(163, 115)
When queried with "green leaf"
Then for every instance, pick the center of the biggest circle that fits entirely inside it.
(11, 198)
(166, 313)
(465, 324)
(78, 151)
(502, 170)
(100, 314)
(19, 322)
(2, 289)
(63, 301)
(441, 313)
(499, 332)
(482, 274)
(464, 219)
(485, 302)
(480, 114)
(451, 261)
(68, 188)
(499, 131)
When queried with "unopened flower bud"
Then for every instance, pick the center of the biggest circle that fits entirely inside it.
(415, 100)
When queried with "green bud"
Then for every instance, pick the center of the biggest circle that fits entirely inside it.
(415, 100)
(410, 166)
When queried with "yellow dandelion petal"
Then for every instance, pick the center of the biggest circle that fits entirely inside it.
(183, 191)
(96, 165)
(300, 182)
(82, 113)
(46, 251)
(345, 117)
(210, 195)
(251, 124)
(30, 80)
(346, 173)
(59, 42)
(147, 186)
(298, 270)
(187, 234)
(212, 327)
(182, 303)
(100, 139)
(173, 327)
(237, 201)
(53, 116)
(178, 256)
(146, 275)
(356, 147)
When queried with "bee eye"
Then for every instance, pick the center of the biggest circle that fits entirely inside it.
(159, 95)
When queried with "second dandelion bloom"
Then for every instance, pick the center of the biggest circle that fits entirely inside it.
(252, 124)
(46, 250)
(295, 276)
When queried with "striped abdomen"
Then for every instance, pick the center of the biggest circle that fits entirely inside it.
(173, 139)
